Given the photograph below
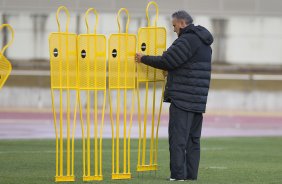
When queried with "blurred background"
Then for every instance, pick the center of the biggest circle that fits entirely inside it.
(245, 98)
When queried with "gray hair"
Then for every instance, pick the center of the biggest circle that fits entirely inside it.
(183, 15)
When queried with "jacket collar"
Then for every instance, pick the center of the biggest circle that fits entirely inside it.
(186, 29)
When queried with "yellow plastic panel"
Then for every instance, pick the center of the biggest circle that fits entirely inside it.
(92, 61)
(63, 60)
(5, 65)
(5, 69)
(122, 69)
(151, 41)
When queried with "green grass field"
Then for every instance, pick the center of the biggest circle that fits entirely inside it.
(224, 160)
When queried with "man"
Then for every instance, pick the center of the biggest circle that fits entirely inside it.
(188, 63)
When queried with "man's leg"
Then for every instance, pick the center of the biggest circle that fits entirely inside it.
(193, 147)
(178, 137)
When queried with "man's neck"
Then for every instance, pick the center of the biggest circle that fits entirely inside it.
(182, 29)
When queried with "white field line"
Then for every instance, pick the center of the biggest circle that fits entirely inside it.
(212, 149)
(258, 77)
(216, 167)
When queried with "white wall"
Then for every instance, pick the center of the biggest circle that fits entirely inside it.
(254, 40)
(249, 40)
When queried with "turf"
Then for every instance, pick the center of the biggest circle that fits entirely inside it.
(224, 160)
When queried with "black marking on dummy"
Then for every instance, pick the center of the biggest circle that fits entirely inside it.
(143, 47)
(56, 52)
(114, 53)
(83, 54)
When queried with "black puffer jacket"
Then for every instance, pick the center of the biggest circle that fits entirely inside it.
(188, 62)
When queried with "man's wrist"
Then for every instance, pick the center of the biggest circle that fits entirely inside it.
(143, 58)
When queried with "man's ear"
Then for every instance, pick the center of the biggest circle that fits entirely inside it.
(183, 23)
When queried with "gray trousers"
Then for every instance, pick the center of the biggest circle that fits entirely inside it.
(184, 143)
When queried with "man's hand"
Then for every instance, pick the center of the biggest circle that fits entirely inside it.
(165, 73)
(138, 57)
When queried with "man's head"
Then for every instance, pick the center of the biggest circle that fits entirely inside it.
(181, 19)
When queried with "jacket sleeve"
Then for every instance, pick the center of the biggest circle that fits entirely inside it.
(176, 55)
